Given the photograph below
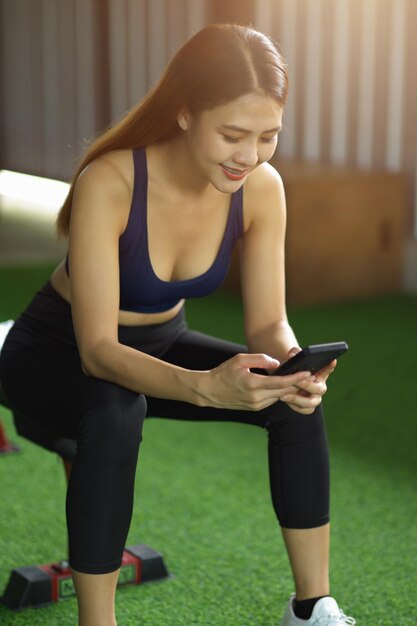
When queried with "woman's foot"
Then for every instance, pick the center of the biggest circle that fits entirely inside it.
(325, 613)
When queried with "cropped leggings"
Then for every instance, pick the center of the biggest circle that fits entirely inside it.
(41, 376)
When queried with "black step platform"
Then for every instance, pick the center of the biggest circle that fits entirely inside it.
(43, 584)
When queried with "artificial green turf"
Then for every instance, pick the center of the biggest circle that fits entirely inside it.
(202, 493)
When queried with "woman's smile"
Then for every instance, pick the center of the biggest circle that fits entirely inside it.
(233, 173)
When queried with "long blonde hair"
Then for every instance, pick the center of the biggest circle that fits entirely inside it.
(217, 65)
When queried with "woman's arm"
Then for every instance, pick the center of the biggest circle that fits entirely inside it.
(263, 265)
(263, 282)
(99, 215)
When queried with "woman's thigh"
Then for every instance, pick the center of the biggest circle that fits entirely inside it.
(47, 386)
(198, 351)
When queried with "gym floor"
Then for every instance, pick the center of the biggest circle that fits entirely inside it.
(202, 491)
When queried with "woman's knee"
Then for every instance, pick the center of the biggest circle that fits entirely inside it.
(286, 426)
(113, 426)
(299, 469)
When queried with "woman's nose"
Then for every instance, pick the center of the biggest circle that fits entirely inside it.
(247, 155)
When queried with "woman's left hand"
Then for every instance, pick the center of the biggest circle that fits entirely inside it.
(311, 391)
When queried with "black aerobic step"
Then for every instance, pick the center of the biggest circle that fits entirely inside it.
(43, 584)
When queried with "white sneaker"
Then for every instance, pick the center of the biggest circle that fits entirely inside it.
(325, 613)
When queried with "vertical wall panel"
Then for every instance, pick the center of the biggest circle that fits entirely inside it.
(265, 17)
(327, 43)
(409, 112)
(286, 36)
(352, 78)
(52, 148)
(118, 42)
(34, 104)
(67, 83)
(84, 58)
(176, 34)
(381, 83)
(157, 38)
(395, 82)
(409, 126)
(137, 35)
(20, 106)
(312, 76)
(196, 15)
(366, 84)
(340, 88)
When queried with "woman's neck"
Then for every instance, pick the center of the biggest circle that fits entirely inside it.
(177, 169)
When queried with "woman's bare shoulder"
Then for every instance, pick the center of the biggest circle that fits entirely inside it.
(113, 171)
(104, 189)
(264, 178)
(264, 190)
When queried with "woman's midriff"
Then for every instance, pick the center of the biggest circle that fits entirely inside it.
(60, 282)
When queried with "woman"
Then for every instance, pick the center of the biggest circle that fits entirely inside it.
(152, 215)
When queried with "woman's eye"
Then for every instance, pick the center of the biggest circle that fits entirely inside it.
(237, 139)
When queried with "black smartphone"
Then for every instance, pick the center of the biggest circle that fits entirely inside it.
(312, 358)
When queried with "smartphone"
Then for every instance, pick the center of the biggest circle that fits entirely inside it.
(312, 358)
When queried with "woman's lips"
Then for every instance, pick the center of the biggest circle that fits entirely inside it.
(234, 174)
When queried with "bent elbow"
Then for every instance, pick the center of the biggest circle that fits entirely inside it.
(87, 365)
(93, 363)
(86, 368)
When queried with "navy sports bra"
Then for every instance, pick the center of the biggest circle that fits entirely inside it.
(140, 288)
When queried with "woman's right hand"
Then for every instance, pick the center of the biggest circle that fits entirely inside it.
(232, 385)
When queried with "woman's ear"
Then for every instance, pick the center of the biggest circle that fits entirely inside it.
(183, 119)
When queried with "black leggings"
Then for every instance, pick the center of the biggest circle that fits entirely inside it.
(41, 376)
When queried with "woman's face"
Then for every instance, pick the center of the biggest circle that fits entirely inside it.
(228, 142)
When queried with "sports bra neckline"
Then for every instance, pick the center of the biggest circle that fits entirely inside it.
(140, 191)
